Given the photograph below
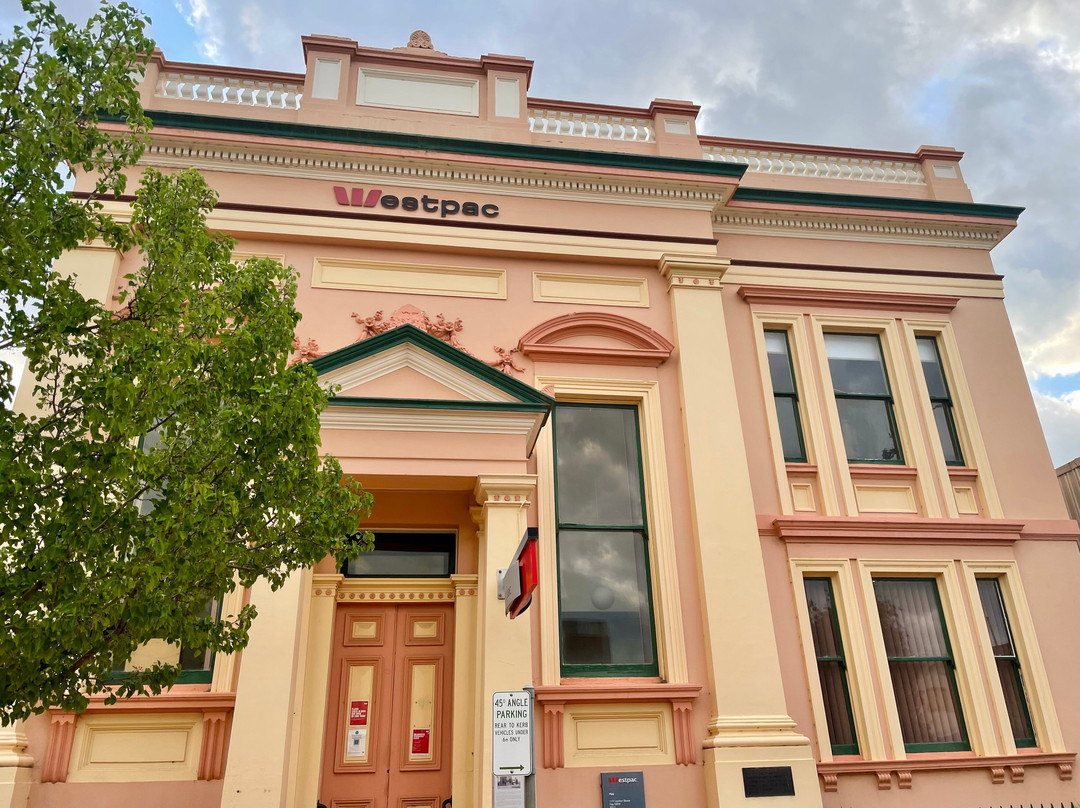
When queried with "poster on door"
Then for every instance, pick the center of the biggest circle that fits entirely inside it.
(421, 743)
(357, 731)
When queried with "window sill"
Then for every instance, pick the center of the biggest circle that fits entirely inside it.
(554, 699)
(883, 469)
(997, 766)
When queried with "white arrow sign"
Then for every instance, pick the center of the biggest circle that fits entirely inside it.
(511, 732)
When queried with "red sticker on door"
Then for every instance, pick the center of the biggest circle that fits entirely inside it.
(421, 741)
(358, 713)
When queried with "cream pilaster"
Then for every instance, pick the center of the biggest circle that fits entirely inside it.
(261, 746)
(503, 646)
(750, 726)
(15, 766)
(465, 647)
(304, 788)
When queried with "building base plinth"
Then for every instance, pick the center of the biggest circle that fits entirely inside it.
(769, 745)
(14, 786)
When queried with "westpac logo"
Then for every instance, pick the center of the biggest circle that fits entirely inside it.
(622, 779)
(356, 198)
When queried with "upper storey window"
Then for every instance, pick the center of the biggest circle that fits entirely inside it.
(785, 396)
(1007, 661)
(605, 609)
(864, 400)
(940, 400)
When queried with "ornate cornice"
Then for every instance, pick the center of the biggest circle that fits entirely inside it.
(846, 298)
(432, 173)
(849, 227)
(644, 347)
(703, 272)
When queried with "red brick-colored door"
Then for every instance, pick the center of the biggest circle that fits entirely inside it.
(388, 733)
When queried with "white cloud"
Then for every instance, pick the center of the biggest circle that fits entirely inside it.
(1060, 418)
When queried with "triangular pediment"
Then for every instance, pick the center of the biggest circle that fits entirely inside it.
(406, 364)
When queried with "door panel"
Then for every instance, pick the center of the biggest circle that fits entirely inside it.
(388, 736)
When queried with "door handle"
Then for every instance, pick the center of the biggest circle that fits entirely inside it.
(447, 802)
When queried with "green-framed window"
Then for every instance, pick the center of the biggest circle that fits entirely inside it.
(921, 664)
(196, 667)
(832, 665)
(940, 400)
(864, 399)
(785, 395)
(606, 623)
(1008, 664)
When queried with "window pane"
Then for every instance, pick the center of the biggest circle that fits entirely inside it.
(943, 419)
(855, 364)
(406, 555)
(1012, 688)
(910, 618)
(776, 349)
(790, 439)
(931, 365)
(926, 703)
(604, 598)
(598, 466)
(867, 430)
(837, 715)
(1000, 638)
(819, 603)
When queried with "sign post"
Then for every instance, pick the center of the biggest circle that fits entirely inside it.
(512, 748)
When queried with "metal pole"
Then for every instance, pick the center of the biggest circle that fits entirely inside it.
(530, 780)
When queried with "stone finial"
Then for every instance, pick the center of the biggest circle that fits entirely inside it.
(420, 39)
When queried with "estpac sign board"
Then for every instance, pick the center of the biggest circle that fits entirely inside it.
(622, 789)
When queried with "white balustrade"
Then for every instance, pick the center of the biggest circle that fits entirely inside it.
(590, 125)
(819, 165)
(228, 90)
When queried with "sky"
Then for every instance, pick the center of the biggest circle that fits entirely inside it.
(998, 80)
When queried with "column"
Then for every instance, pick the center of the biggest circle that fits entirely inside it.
(750, 726)
(503, 646)
(260, 748)
(15, 766)
(316, 680)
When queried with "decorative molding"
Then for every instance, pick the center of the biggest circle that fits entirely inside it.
(506, 362)
(214, 88)
(645, 347)
(13, 743)
(817, 165)
(829, 783)
(504, 490)
(58, 752)
(995, 765)
(440, 327)
(753, 730)
(395, 590)
(702, 271)
(409, 278)
(305, 351)
(561, 122)
(212, 754)
(465, 586)
(901, 530)
(172, 150)
(852, 227)
(680, 696)
(591, 290)
(846, 298)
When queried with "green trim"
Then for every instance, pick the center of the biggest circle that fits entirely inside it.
(446, 145)
(436, 404)
(596, 670)
(955, 746)
(350, 354)
(778, 196)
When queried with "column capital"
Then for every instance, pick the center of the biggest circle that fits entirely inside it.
(686, 271)
(324, 585)
(504, 490)
(465, 586)
(13, 743)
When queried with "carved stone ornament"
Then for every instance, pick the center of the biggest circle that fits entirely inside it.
(420, 39)
(305, 351)
(438, 327)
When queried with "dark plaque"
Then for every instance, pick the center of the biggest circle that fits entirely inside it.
(623, 789)
(767, 781)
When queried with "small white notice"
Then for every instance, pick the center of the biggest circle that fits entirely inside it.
(511, 733)
(509, 791)
(356, 742)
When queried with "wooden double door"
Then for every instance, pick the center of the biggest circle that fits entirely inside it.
(388, 729)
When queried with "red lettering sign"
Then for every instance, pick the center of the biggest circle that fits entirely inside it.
(421, 741)
(358, 713)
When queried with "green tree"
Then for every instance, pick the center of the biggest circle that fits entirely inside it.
(106, 543)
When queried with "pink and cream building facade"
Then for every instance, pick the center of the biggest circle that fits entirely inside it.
(798, 530)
